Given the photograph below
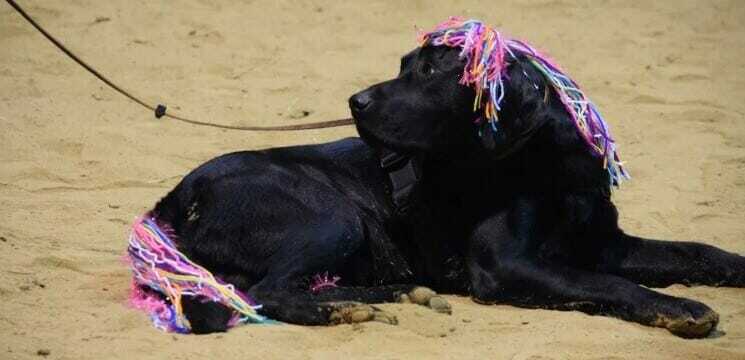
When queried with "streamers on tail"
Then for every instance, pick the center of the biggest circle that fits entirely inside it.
(486, 55)
(162, 275)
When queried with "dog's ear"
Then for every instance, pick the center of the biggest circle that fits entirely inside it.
(492, 138)
(523, 110)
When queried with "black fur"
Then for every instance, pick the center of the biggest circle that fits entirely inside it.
(522, 216)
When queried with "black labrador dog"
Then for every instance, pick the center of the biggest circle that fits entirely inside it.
(421, 199)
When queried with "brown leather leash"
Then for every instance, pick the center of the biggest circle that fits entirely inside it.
(161, 110)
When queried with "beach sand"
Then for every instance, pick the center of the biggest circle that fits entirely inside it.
(78, 161)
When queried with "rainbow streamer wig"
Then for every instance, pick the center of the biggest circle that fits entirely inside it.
(488, 54)
(162, 274)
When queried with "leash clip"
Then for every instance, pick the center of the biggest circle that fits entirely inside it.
(160, 110)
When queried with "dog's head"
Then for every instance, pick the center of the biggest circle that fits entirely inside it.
(427, 111)
(423, 110)
(469, 88)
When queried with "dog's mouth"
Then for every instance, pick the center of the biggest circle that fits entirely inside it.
(379, 144)
(368, 136)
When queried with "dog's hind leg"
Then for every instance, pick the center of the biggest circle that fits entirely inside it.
(403, 293)
(298, 306)
(659, 263)
(341, 304)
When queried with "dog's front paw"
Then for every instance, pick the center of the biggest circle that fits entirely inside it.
(353, 312)
(688, 319)
(426, 297)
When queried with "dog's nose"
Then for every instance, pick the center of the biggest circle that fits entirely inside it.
(360, 101)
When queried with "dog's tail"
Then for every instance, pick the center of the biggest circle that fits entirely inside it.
(165, 281)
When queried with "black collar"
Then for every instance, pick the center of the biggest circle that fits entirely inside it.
(404, 173)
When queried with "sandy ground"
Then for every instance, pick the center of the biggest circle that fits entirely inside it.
(79, 161)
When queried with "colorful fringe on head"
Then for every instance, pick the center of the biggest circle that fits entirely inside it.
(486, 53)
(162, 274)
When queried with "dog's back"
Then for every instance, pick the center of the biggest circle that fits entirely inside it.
(254, 206)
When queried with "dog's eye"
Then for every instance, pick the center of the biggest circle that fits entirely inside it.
(426, 69)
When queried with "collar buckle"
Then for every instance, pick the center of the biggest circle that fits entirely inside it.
(404, 174)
